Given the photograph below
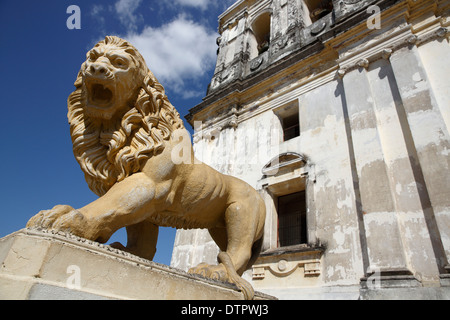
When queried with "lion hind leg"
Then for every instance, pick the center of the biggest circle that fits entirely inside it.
(242, 232)
(224, 271)
(236, 242)
(243, 285)
(236, 246)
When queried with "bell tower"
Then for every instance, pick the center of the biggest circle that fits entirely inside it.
(256, 34)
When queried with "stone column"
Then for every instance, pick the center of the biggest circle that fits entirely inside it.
(404, 175)
(384, 244)
(332, 209)
(431, 141)
(434, 56)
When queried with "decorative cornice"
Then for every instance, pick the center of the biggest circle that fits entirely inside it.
(384, 49)
(395, 36)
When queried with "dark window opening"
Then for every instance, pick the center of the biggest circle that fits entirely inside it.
(292, 219)
(291, 127)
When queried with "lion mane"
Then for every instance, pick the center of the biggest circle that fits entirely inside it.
(110, 151)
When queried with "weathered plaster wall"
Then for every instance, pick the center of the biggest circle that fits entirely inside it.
(374, 115)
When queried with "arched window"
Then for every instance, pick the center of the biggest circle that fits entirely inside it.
(261, 30)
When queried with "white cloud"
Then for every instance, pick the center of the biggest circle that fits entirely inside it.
(125, 10)
(201, 4)
(178, 53)
(96, 10)
(221, 5)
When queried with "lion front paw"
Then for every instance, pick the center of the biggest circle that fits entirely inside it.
(215, 272)
(60, 218)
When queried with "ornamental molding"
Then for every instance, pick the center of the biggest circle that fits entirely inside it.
(362, 56)
(284, 265)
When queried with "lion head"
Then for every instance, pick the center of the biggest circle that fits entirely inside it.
(119, 115)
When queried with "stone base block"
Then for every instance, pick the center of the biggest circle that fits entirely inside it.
(46, 265)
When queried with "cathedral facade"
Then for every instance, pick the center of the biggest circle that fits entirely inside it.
(338, 113)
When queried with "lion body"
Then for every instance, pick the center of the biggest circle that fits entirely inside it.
(123, 130)
(201, 190)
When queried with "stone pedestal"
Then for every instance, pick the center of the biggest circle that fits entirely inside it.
(45, 265)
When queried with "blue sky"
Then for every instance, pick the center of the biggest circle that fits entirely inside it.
(40, 58)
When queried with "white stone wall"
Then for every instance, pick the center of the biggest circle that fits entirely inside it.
(374, 128)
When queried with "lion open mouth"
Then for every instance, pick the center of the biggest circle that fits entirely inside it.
(100, 95)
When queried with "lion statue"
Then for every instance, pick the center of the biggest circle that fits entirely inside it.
(124, 132)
